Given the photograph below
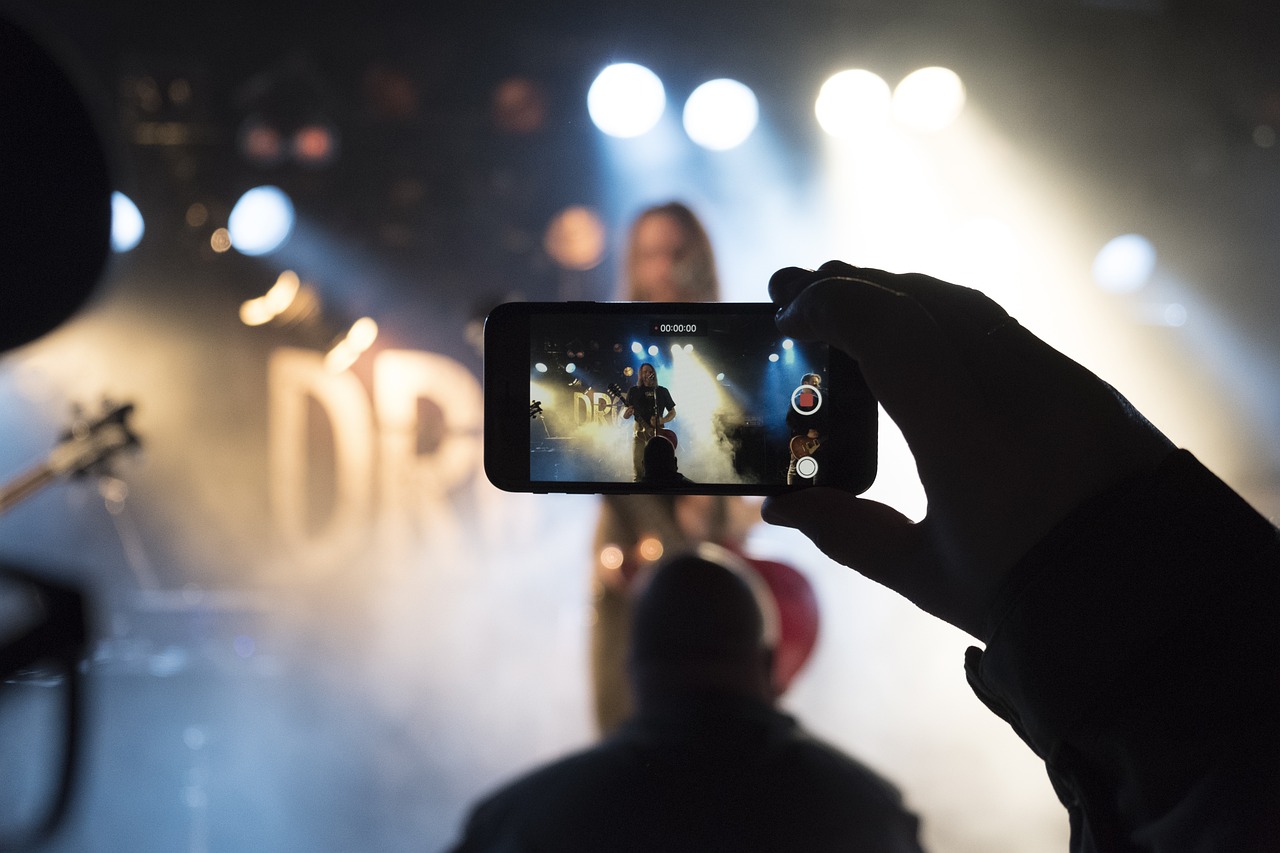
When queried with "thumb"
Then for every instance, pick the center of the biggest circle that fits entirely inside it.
(862, 534)
(876, 541)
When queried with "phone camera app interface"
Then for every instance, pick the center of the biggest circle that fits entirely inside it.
(676, 401)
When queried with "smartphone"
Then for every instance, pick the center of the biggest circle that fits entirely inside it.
(645, 397)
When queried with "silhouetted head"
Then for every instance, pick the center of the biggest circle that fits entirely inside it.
(703, 623)
(659, 459)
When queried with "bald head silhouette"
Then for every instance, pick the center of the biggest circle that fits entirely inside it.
(698, 628)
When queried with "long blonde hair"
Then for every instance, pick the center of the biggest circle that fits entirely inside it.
(698, 278)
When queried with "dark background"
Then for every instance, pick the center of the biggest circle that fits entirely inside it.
(241, 701)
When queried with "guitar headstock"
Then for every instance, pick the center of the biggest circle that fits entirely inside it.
(535, 408)
(616, 391)
(92, 441)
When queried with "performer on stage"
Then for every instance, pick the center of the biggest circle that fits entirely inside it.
(652, 407)
(668, 259)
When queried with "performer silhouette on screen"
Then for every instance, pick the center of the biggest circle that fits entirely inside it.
(652, 407)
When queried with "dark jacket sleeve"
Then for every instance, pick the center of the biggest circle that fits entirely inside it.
(1137, 651)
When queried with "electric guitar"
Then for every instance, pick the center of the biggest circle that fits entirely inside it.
(803, 445)
(651, 429)
(83, 449)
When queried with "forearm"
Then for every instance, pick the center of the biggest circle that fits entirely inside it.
(1136, 650)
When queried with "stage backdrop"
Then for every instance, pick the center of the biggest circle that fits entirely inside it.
(316, 626)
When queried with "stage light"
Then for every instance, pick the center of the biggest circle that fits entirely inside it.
(260, 143)
(651, 548)
(626, 100)
(852, 102)
(637, 348)
(720, 114)
(773, 357)
(1124, 264)
(929, 99)
(571, 368)
(220, 240)
(788, 343)
(261, 221)
(315, 144)
(540, 367)
(126, 223)
(653, 349)
(575, 239)
(264, 309)
(359, 337)
(519, 106)
(611, 557)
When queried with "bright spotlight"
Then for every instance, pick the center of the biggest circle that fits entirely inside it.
(261, 221)
(773, 356)
(277, 300)
(929, 99)
(637, 348)
(851, 102)
(626, 100)
(720, 114)
(788, 343)
(126, 223)
(540, 367)
(575, 238)
(358, 339)
(571, 368)
(1124, 264)
(653, 349)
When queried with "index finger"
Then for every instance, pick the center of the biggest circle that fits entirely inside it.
(910, 364)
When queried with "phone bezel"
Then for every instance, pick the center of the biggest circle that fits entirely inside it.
(507, 403)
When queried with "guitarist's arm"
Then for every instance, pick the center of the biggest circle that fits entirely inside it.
(666, 406)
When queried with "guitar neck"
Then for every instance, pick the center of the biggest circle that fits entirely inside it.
(25, 485)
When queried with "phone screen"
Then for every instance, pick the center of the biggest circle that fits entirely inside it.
(637, 397)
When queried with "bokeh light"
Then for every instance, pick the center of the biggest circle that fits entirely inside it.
(575, 238)
(1124, 264)
(261, 221)
(626, 100)
(127, 226)
(721, 114)
(929, 99)
(852, 102)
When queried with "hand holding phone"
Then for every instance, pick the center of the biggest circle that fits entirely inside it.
(1009, 435)
(704, 398)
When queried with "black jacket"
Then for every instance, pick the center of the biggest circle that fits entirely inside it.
(1136, 649)
(724, 775)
